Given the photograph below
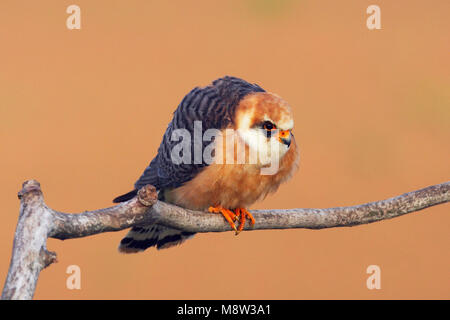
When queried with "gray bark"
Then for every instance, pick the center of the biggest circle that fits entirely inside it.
(37, 222)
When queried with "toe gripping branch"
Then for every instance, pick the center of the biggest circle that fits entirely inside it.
(240, 214)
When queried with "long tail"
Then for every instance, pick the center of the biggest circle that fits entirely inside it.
(140, 238)
(154, 235)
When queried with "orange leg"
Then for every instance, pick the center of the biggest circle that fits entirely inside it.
(233, 216)
(227, 214)
(243, 214)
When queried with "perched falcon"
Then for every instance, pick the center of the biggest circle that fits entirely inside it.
(263, 123)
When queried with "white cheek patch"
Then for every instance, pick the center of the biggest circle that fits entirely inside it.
(262, 150)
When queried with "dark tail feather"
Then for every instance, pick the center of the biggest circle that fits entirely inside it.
(140, 238)
(126, 196)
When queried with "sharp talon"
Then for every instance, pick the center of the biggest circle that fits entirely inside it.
(243, 214)
(240, 214)
(227, 214)
(237, 213)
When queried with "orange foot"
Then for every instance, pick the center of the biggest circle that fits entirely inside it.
(240, 213)
(227, 214)
(243, 214)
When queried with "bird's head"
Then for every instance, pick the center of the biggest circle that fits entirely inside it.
(264, 121)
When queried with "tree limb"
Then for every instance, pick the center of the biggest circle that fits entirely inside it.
(37, 222)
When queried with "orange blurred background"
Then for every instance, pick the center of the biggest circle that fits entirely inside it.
(83, 112)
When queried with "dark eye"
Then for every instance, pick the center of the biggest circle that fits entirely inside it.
(268, 125)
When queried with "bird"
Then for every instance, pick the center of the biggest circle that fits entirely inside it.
(261, 123)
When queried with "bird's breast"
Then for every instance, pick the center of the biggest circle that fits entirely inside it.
(232, 185)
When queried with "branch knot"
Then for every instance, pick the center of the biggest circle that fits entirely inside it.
(30, 186)
(147, 195)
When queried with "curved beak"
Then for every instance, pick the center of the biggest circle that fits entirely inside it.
(284, 136)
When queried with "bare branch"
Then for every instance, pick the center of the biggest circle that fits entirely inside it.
(37, 222)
